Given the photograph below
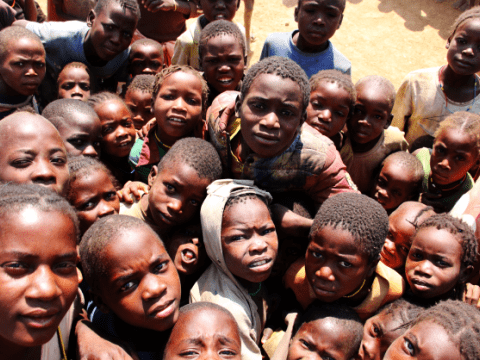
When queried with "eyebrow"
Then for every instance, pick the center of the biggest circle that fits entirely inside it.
(129, 274)
(27, 256)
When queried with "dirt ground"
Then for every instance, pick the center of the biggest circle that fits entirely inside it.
(384, 37)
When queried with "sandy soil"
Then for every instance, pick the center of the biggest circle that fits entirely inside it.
(384, 37)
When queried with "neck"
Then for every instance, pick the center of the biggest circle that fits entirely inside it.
(302, 45)
(164, 139)
(361, 148)
(362, 294)
(452, 79)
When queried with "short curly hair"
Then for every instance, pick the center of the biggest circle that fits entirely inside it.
(279, 66)
(131, 5)
(63, 112)
(103, 97)
(461, 321)
(343, 81)
(219, 28)
(466, 122)
(196, 153)
(364, 218)
(162, 75)
(401, 309)
(409, 163)
(462, 232)
(473, 13)
(15, 33)
(382, 83)
(143, 83)
(96, 239)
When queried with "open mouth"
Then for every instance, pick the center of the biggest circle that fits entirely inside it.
(225, 80)
(260, 264)
(176, 121)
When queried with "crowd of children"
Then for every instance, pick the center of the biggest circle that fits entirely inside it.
(165, 202)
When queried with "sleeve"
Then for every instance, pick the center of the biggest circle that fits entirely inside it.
(402, 108)
(49, 31)
(265, 50)
(181, 51)
(331, 180)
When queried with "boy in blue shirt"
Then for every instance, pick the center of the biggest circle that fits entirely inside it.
(309, 46)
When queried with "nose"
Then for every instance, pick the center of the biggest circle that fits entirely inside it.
(115, 38)
(77, 90)
(468, 51)
(224, 68)
(445, 163)
(121, 132)
(424, 268)
(383, 193)
(389, 246)
(152, 287)
(271, 121)
(258, 245)
(175, 205)
(325, 116)
(90, 151)
(31, 71)
(325, 273)
(44, 287)
(367, 351)
(105, 208)
(179, 104)
(43, 173)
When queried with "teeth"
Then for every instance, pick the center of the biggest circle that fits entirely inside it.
(259, 263)
(225, 80)
(176, 120)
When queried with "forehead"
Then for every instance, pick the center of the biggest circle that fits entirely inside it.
(434, 342)
(140, 50)
(324, 3)
(24, 46)
(470, 26)
(137, 95)
(457, 138)
(272, 86)
(207, 323)
(438, 242)
(332, 89)
(73, 72)
(122, 17)
(111, 109)
(373, 92)
(28, 133)
(328, 334)
(180, 80)
(397, 171)
(222, 41)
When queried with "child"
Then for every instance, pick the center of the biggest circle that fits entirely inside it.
(369, 138)
(221, 50)
(38, 276)
(33, 152)
(206, 330)
(449, 330)
(180, 95)
(103, 49)
(388, 324)
(92, 191)
(455, 151)
(402, 224)
(146, 57)
(186, 46)
(265, 136)
(309, 46)
(428, 96)
(78, 125)
(324, 332)
(74, 82)
(332, 97)
(242, 243)
(118, 133)
(18, 84)
(133, 281)
(178, 185)
(342, 259)
(139, 99)
(400, 180)
(440, 259)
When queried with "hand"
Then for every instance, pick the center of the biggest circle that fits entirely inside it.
(267, 333)
(91, 346)
(228, 114)
(289, 223)
(157, 5)
(146, 129)
(7, 14)
(132, 188)
(471, 295)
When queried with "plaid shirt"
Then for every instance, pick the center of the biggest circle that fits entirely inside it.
(311, 164)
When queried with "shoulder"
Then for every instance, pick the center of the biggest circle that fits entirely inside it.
(393, 137)
(58, 29)
(340, 61)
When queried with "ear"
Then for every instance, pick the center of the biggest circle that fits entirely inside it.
(99, 302)
(447, 45)
(152, 175)
(389, 121)
(295, 15)
(466, 274)
(90, 18)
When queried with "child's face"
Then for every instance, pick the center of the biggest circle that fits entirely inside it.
(454, 153)
(424, 341)
(271, 114)
(93, 196)
(371, 114)
(204, 334)
(317, 22)
(141, 285)
(146, 59)
(23, 67)
(334, 265)
(117, 128)
(378, 333)
(397, 244)
(328, 108)
(34, 153)
(178, 106)
(434, 263)
(219, 9)
(176, 195)
(249, 240)
(111, 31)
(394, 186)
(223, 62)
(463, 56)
(186, 249)
(140, 104)
(74, 83)
(39, 282)
(82, 135)
(321, 339)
